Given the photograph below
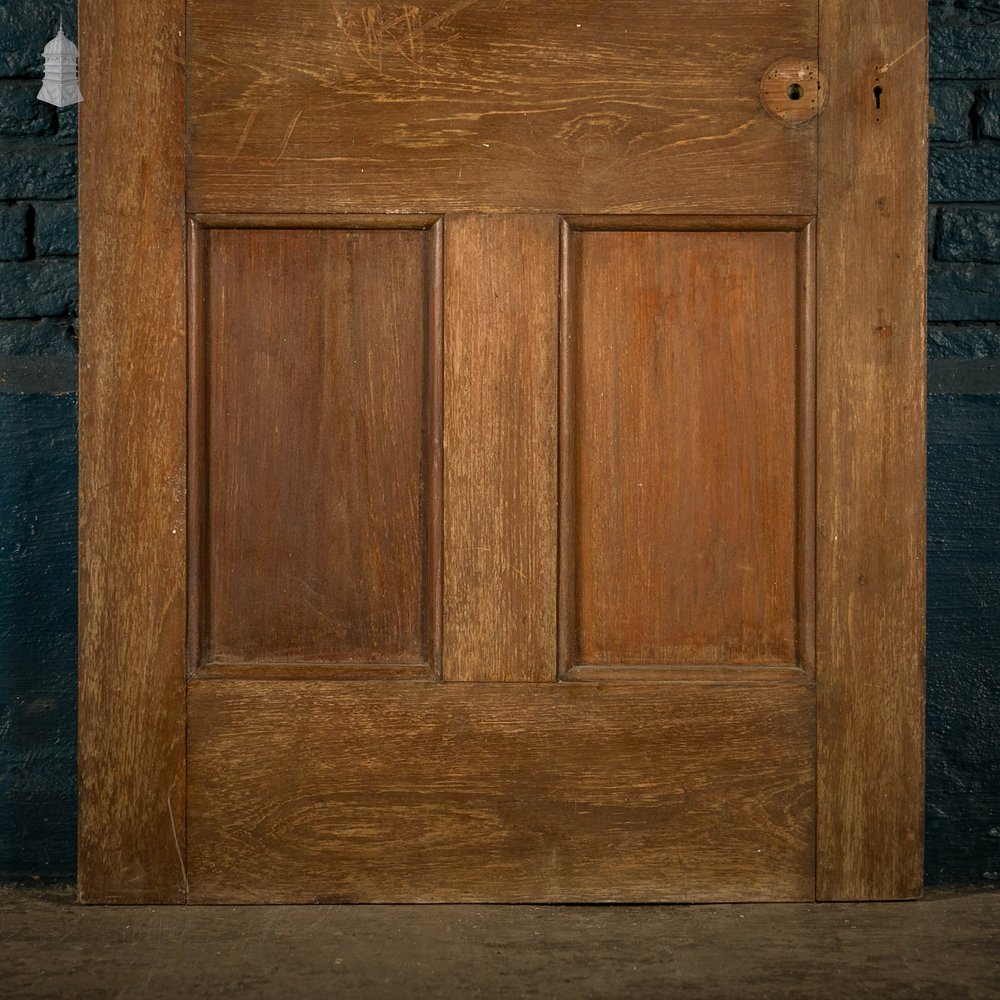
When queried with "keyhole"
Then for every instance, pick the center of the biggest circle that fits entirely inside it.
(878, 98)
(795, 92)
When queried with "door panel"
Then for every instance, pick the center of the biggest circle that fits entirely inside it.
(509, 792)
(501, 378)
(686, 500)
(317, 427)
(582, 106)
(505, 791)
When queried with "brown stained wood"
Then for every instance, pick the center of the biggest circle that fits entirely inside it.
(353, 125)
(501, 315)
(321, 359)
(197, 472)
(794, 90)
(870, 439)
(681, 442)
(688, 223)
(806, 471)
(512, 792)
(132, 411)
(582, 106)
(704, 673)
(319, 220)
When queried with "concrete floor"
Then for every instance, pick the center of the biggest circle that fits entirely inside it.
(947, 945)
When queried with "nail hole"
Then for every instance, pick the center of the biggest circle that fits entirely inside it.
(795, 92)
(878, 98)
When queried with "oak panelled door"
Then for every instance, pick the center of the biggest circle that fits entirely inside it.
(502, 432)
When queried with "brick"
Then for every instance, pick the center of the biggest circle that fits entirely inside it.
(970, 234)
(965, 173)
(940, 11)
(963, 341)
(68, 120)
(965, 51)
(988, 112)
(46, 287)
(25, 27)
(37, 337)
(945, 12)
(14, 232)
(963, 293)
(55, 228)
(963, 636)
(976, 11)
(952, 105)
(21, 113)
(37, 170)
(38, 556)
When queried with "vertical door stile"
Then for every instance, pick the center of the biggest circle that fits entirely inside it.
(500, 314)
(871, 248)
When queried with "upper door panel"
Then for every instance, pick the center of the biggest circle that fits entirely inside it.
(583, 106)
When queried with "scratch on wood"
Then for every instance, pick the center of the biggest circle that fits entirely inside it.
(245, 133)
(177, 843)
(904, 54)
(377, 31)
(288, 133)
(501, 562)
(445, 16)
(713, 138)
(373, 30)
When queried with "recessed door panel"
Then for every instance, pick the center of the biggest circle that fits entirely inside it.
(686, 459)
(316, 383)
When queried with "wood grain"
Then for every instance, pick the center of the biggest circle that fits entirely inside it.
(580, 106)
(132, 412)
(308, 790)
(321, 358)
(870, 439)
(506, 792)
(682, 422)
(501, 314)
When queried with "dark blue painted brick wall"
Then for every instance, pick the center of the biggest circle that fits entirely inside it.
(38, 299)
(37, 634)
(963, 531)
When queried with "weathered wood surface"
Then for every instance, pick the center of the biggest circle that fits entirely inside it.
(581, 106)
(870, 446)
(507, 792)
(132, 414)
(681, 441)
(306, 790)
(501, 310)
(319, 438)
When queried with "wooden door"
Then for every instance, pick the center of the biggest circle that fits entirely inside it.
(502, 434)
